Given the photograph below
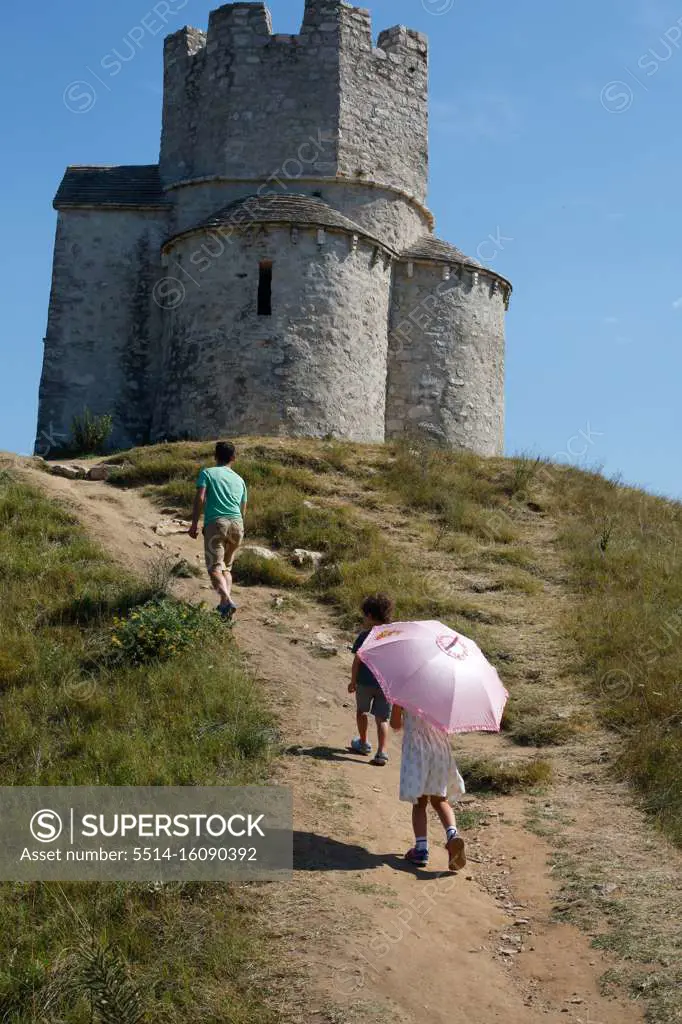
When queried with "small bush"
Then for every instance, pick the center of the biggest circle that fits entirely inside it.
(184, 570)
(488, 776)
(90, 433)
(100, 973)
(156, 631)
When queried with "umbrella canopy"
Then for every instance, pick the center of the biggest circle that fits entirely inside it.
(437, 674)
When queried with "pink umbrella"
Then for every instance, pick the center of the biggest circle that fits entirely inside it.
(437, 674)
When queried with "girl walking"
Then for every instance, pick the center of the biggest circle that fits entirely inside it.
(428, 772)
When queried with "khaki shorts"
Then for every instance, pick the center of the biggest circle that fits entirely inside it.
(222, 540)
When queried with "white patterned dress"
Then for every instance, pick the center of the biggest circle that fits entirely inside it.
(427, 766)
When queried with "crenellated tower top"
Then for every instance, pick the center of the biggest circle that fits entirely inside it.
(240, 101)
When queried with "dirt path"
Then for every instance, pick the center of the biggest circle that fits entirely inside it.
(357, 932)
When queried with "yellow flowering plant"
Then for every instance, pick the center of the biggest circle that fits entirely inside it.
(156, 631)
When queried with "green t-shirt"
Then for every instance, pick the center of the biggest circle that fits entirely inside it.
(225, 493)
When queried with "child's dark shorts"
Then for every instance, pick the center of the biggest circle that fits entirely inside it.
(370, 700)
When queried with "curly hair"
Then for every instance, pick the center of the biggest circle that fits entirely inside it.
(224, 453)
(379, 607)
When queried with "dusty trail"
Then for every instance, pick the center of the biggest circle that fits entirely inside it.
(356, 932)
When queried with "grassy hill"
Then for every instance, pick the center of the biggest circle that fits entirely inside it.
(104, 679)
(618, 549)
(571, 583)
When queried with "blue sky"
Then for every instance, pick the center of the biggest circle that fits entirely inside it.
(554, 133)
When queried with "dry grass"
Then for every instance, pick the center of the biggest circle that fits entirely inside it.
(486, 775)
(625, 549)
(543, 732)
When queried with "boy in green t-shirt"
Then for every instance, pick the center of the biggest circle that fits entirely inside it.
(221, 495)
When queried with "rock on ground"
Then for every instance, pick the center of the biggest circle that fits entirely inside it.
(100, 472)
(167, 527)
(259, 552)
(69, 472)
(301, 557)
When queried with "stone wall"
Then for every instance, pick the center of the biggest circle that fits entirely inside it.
(317, 366)
(103, 325)
(446, 358)
(384, 213)
(384, 105)
(240, 102)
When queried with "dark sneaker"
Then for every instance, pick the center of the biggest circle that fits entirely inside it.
(420, 858)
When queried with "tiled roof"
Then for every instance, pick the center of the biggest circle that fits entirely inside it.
(137, 185)
(284, 208)
(430, 248)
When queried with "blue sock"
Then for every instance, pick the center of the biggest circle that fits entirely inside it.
(451, 833)
(422, 845)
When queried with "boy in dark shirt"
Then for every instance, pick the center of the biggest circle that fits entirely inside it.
(369, 697)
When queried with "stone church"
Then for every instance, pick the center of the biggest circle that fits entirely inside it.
(277, 271)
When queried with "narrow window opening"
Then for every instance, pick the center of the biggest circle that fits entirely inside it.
(265, 289)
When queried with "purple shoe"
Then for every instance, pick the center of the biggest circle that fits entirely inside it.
(420, 858)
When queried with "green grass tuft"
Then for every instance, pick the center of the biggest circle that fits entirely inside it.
(254, 570)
